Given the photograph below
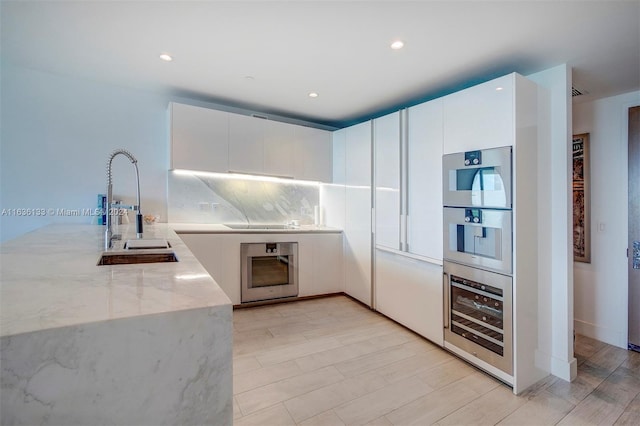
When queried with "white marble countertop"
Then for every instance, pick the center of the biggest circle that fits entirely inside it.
(50, 278)
(201, 228)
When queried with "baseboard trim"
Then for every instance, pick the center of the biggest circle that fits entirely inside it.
(567, 371)
(602, 334)
(289, 300)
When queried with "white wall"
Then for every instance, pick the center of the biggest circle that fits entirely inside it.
(57, 134)
(601, 287)
(555, 275)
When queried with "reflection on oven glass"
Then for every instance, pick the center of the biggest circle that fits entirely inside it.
(269, 270)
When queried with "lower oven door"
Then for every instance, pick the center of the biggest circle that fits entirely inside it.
(269, 271)
(478, 314)
(478, 237)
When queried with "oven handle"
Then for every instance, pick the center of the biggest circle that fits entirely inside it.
(445, 284)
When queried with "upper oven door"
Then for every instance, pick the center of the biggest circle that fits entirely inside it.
(477, 178)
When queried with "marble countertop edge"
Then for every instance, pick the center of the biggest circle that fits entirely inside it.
(50, 279)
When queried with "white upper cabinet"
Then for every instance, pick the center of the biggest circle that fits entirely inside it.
(246, 144)
(387, 145)
(216, 141)
(424, 192)
(358, 155)
(313, 152)
(480, 117)
(279, 148)
(199, 138)
(408, 180)
(339, 156)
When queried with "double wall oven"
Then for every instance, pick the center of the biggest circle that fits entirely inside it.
(478, 257)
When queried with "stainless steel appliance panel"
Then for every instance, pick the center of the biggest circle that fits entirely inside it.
(478, 237)
(478, 314)
(268, 271)
(477, 178)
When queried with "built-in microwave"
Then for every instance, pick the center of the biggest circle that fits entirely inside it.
(478, 237)
(478, 178)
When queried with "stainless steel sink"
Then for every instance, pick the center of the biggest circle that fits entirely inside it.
(256, 226)
(145, 244)
(129, 258)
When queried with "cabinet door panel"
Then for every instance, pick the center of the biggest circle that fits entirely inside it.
(424, 189)
(199, 138)
(313, 154)
(279, 143)
(480, 117)
(357, 247)
(339, 156)
(357, 228)
(387, 178)
(350, 206)
(358, 155)
(411, 292)
(246, 144)
(328, 274)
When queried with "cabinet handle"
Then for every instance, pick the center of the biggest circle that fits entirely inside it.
(445, 283)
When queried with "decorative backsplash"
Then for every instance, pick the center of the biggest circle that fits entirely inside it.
(212, 198)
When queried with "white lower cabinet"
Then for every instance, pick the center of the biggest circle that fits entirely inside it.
(328, 276)
(320, 269)
(410, 291)
(220, 256)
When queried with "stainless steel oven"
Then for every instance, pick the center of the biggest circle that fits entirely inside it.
(478, 315)
(478, 237)
(478, 178)
(268, 271)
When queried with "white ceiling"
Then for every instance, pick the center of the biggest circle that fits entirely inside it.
(339, 49)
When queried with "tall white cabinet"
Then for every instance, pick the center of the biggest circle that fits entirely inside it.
(389, 213)
(357, 229)
(408, 218)
(424, 174)
(347, 204)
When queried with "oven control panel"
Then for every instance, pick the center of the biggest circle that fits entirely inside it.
(473, 215)
(271, 247)
(472, 158)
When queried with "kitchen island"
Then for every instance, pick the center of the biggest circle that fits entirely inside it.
(143, 344)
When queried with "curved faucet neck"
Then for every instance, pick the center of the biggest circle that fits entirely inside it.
(109, 225)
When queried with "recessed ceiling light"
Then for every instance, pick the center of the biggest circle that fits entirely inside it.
(398, 44)
(313, 95)
(498, 89)
(166, 57)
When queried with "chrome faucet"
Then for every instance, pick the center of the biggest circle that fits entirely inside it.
(108, 233)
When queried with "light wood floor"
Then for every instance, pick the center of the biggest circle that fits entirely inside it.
(332, 361)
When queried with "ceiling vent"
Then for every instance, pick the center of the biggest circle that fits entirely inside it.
(577, 92)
